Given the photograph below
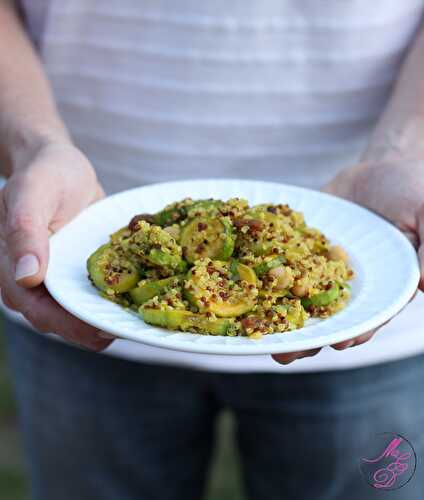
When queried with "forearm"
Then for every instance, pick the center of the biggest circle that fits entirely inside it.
(399, 133)
(28, 116)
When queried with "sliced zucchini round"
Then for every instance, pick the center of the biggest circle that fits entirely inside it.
(177, 212)
(205, 237)
(168, 216)
(110, 270)
(242, 272)
(120, 235)
(230, 310)
(151, 288)
(256, 232)
(175, 319)
(202, 208)
(322, 299)
(165, 260)
(211, 288)
(273, 296)
(264, 216)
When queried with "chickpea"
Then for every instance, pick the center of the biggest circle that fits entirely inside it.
(174, 231)
(283, 276)
(300, 289)
(336, 252)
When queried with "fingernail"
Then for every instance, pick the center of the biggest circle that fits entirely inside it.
(27, 265)
(106, 336)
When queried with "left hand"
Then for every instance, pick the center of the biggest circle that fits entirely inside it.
(51, 184)
(393, 188)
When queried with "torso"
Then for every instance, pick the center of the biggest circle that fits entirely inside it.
(283, 90)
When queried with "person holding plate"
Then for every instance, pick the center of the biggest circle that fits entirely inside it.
(97, 97)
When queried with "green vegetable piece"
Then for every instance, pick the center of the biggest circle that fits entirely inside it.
(242, 272)
(150, 289)
(234, 271)
(154, 247)
(204, 237)
(323, 298)
(168, 217)
(266, 266)
(280, 308)
(110, 270)
(236, 300)
(228, 310)
(174, 215)
(296, 315)
(163, 259)
(187, 321)
(120, 235)
(210, 206)
(276, 294)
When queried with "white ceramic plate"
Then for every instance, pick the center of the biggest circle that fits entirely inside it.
(384, 261)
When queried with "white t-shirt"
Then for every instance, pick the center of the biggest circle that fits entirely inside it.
(284, 90)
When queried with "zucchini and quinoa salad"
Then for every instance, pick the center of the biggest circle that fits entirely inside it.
(223, 268)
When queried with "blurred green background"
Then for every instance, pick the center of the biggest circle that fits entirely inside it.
(224, 481)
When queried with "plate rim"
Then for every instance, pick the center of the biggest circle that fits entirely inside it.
(244, 349)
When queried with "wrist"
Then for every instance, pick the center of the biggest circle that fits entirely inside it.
(25, 144)
(349, 182)
(400, 142)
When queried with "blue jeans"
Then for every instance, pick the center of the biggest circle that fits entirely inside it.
(99, 428)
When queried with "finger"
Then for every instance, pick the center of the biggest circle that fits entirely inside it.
(413, 238)
(410, 233)
(287, 358)
(26, 215)
(365, 337)
(341, 346)
(46, 315)
(360, 339)
(51, 318)
(421, 263)
(7, 301)
(311, 353)
(420, 220)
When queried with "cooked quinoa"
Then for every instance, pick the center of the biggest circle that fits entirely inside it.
(223, 268)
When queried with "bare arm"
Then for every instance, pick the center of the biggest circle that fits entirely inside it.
(28, 116)
(390, 177)
(400, 130)
(399, 133)
(49, 182)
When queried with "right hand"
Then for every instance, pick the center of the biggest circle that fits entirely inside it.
(50, 187)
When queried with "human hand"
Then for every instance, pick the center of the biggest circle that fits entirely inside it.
(394, 189)
(49, 187)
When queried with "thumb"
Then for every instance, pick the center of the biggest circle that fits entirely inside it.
(421, 247)
(26, 234)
